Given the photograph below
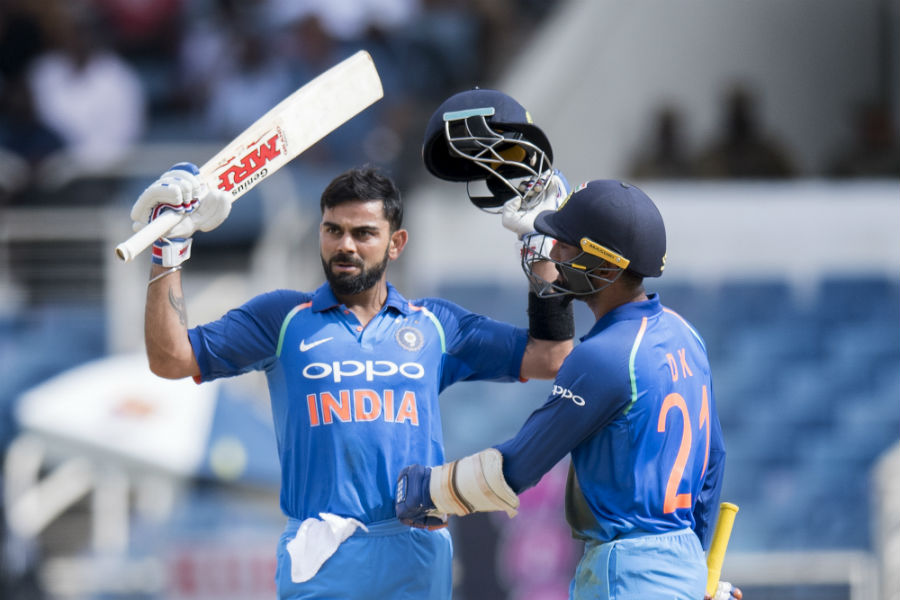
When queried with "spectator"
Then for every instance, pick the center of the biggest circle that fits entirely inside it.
(743, 150)
(256, 82)
(208, 51)
(146, 34)
(24, 140)
(21, 38)
(86, 93)
(666, 159)
(874, 152)
(348, 20)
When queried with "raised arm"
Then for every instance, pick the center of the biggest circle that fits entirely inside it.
(169, 350)
(551, 327)
(551, 321)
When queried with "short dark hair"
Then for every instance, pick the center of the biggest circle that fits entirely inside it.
(632, 279)
(361, 184)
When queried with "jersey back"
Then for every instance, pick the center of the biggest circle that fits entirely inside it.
(645, 468)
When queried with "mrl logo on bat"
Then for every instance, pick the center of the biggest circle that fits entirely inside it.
(261, 152)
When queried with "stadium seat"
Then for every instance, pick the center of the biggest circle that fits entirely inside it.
(858, 298)
(756, 301)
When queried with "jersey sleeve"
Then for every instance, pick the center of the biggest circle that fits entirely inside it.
(590, 391)
(245, 338)
(706, 509)
(477, 347)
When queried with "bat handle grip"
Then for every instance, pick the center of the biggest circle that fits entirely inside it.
(154, 230)
(716, 555)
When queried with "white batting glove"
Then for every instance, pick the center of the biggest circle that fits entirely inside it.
(180, 190)
(520, 220)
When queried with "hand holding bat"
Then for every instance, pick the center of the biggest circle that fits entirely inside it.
(198, 208)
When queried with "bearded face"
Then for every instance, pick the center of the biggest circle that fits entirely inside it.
(349, 274)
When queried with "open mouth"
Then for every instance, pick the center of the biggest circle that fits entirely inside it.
(341, 264)
(344, 268)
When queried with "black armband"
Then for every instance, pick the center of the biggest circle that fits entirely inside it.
(550, 318)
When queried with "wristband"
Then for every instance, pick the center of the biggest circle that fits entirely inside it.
(550, 318)
(170, 252)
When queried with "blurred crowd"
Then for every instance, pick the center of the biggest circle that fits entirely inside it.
(83, 81)
(745, 148)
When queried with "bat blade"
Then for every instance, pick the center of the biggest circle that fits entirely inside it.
(279, 136)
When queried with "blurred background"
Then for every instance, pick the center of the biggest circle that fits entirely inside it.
(766, 132)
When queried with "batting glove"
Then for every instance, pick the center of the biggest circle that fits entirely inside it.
(413, 502)
(520, 219)
(181, 190)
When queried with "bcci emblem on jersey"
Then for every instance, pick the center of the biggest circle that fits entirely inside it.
(410, 338)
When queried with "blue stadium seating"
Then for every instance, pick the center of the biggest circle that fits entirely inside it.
(42, 342)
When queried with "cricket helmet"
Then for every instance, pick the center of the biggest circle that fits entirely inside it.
(616, 226)
(486, 135)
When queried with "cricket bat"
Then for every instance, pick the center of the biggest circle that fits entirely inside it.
(716, 555)
(276, 138)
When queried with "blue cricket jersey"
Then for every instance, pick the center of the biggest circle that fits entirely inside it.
(353, 405)
(634, 405)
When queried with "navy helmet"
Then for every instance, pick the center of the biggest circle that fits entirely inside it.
(617, 227)
(482, 134)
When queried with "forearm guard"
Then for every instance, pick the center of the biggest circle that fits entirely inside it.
(472, 484)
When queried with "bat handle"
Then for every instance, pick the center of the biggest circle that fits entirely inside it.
(154, 230)
(716, 555)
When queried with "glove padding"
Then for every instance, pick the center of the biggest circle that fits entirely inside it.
(413, 502)
(180, 189)
(726, 591)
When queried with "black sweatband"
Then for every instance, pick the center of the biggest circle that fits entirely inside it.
(550, 318)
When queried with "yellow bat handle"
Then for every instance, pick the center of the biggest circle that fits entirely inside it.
(716, 554)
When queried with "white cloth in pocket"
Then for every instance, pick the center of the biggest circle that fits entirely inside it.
(316, 541)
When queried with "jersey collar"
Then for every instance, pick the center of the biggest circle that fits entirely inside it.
(324, 299)
(627, 312)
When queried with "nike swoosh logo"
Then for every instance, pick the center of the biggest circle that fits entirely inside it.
(304, 346)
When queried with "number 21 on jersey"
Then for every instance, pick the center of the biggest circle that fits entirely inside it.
(675, 401)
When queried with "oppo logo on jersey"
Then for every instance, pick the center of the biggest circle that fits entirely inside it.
(370, 369)
(566, 393)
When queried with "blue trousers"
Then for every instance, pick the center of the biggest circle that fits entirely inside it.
(392, 560)
(663, 566)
